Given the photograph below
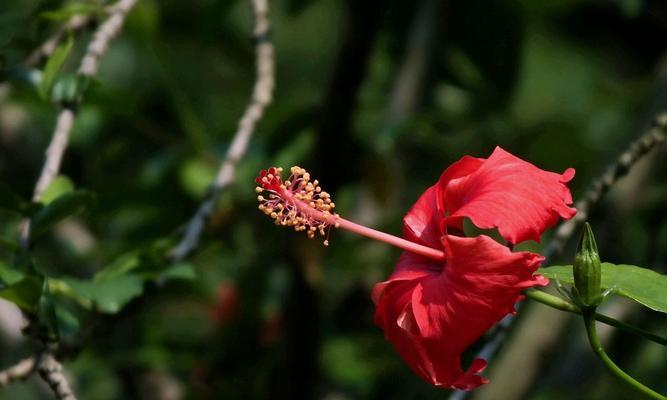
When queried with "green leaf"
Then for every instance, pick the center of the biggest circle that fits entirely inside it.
(67, 205)
(183, 271)
(71, 10)
(10, 200)
(53, 67)
(109, 295)
(60, 186)
(26, 293)
(69, 88)
(9, 275)
(642, 285)
(46, 313)
(120, 266)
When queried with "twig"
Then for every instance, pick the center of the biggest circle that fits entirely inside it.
(51, 372)
(48, 366)
(74, 24)
(261, 98)
(22, 370)
(650, 139)
(88, 67)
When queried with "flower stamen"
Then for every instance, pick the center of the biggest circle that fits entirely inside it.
(297, 202)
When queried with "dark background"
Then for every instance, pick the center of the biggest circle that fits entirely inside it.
(375, 98)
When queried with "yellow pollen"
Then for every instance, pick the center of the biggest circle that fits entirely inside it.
(287, 202)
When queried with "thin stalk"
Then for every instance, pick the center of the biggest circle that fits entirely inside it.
(589, 320)
(353, 227)
(563, 305)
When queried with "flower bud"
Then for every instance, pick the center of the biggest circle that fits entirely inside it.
(587, 270)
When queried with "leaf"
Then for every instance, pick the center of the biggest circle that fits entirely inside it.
(59, 209)
(120, 266)
(53, 67)
(9, 275)
(71, 10)
(642, 285)
(46, 313)
(109, 295)
(26, 293)
(183, 271)
(60, 186)
(10, 200)
(69, 88)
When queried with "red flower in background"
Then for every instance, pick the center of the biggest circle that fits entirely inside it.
(431, 310)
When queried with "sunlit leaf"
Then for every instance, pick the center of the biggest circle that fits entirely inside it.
(57, 188)
(53, 67)
(109, 295)
(642, 285)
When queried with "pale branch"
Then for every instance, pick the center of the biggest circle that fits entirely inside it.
(261, 97)
(21, 370)
(48, 366)
(654, 136)
(46, 49)
(52, 373)
(88, 67)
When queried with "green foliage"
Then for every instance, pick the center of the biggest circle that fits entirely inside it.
(69, 88)
(53, 67)
(25, 293)
(10, 200)
(642, 285)
(109, 295)
(67, 205)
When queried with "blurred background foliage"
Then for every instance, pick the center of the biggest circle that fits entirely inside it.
(375, 98)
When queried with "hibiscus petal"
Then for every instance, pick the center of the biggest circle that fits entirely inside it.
(422, 223)
(506, 192)
(430, 359)
(433, 317)
(479, 286)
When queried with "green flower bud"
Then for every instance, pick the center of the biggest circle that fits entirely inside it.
(587, 270)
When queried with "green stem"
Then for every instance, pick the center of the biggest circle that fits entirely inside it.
(563, 305)
(589, 320)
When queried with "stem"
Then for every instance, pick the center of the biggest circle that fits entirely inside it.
(407, 245)
(353, 227)
(563, 305)
(589, 320)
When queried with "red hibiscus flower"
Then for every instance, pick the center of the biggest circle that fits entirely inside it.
(431, 310)
(446, 290)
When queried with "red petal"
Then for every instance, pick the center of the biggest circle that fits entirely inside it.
(506, 192)
(432, 318)
(422, 224)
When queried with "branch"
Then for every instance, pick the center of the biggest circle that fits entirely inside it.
(650, 139)
(22, 370)
(88, 67)
(261, 98)
(637, 149)
(74, 24)
(51, 372)
(48, 367)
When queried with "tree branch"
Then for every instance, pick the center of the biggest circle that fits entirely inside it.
(637, 149)
(261, 98)
(22, 370)
(44, 51)
(48, 366)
